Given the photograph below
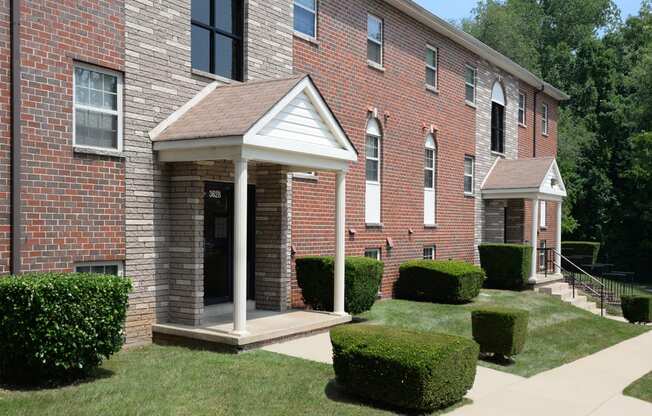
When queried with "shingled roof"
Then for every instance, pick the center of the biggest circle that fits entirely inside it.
(518, 173)
(229, 110)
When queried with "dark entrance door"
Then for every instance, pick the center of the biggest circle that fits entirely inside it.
(218, 242)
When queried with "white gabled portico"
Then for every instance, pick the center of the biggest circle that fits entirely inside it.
(536, 180)
(284, 122)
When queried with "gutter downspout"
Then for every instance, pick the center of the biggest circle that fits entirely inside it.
(534, 121)
(16, 159)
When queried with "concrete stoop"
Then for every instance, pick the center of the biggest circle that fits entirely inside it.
(564, 292)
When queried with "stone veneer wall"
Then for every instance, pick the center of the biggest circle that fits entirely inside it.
(484, 157)
(158, 80)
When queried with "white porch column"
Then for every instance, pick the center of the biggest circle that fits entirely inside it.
(240, 249)
(340, 219)
(558, 230)
(534, 239)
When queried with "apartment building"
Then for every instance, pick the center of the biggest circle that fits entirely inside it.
(200, 146)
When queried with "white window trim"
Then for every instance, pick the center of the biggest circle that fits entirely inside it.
(120, 264)
(377, 159)
(371, 250)
(315, 12)
(474, 85)
(544, 119)
(119, 112)
(543, 214)
(522, 123)
(472, 159)
(434, 252)
(382, 40)
(433, 68)
(431, 168)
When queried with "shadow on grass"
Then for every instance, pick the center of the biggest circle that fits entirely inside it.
(338, 393)
(26, 383)
(497, 359)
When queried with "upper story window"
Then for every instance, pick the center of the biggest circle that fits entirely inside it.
(217, 44)
(498, 119)
(469, 174)
(98, 108)
(521, 109)
(432, 58)
(544, 119)
(429, 253)
(375, 39)
(429, 181)
(373, 158)
(305, 17)
(470, 76)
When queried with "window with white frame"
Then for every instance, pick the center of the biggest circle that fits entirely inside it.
(373, 163)
(108, 268)
(375, 39)
(429, 253)
(429, 181)
(470, 81)
(521, 109)
(305, 17)
(372, 253)
(469, 174)
(543, 214)
(98, 108)
(544, 119)
(432, 58)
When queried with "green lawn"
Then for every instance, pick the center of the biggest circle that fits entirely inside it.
(163, 381)
(641, 388)
(558, 333)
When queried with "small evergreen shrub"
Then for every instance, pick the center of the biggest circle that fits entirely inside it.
(315, 276)
(500, 330)
(401, 368)
(449, 281)
(507, 265)
(579, 252)
(637, 309)
(56, 326)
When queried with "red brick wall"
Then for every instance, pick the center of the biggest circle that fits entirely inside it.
(73, 204)
(339, 67)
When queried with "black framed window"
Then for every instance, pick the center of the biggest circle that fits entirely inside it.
(217, 37)
(497, 128)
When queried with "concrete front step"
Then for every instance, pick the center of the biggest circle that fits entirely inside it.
(564, 292)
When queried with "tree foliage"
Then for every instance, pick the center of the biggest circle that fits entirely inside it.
(605, 130)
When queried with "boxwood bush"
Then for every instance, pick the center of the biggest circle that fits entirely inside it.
(637, 309)
(507, 265)
(55, 326)
(363, 275)
(447, 281)
(499, 330)
(401, 368)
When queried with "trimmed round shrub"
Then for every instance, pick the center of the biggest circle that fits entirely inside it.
(637, 309)
(507, 265)
(448, 281)
(315, 276)
(401, 368)
(55, 326)
(500, 331)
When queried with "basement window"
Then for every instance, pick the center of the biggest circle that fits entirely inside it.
(108, 268)
(429, 253)
(372, 253)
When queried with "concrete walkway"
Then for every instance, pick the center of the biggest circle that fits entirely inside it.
(591, 386)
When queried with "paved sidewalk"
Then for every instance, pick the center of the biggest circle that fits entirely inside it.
(591, 386)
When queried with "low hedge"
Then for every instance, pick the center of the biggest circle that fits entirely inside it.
(56, 326)
(363, 275)
(401, 368)
(498, 330)
(637, 309)
(446, 281)
(580, 252)
(507, 265)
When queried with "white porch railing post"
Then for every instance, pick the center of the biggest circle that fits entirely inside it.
(340, 220)
(558, 242)
(240, 249)
(534, 239)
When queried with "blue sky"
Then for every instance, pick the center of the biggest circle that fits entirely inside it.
(457, 9)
